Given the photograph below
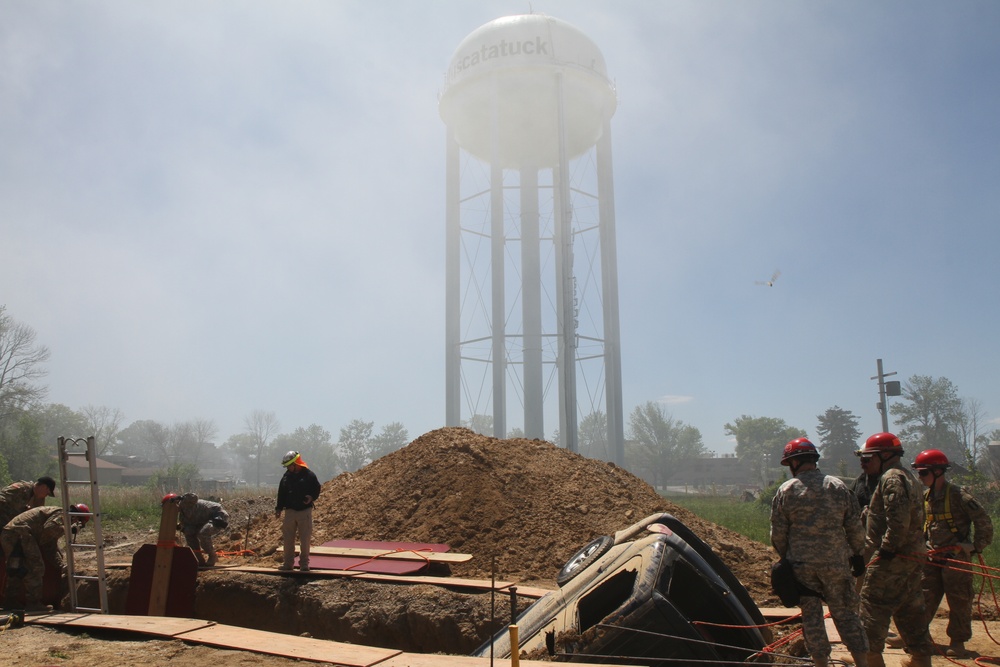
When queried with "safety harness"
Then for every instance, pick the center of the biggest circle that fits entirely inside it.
(944, 516)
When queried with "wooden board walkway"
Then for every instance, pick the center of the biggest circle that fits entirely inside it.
(501, 587)
(389, 554)
(270, 643)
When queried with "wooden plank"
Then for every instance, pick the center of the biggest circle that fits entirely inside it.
(303, 648)
(391, 546)
(454, 582)
(438, 660)
(481, 584)
(183, 581)
(432, 556)
(374, 565)
(779, 613)
(164, 560)
(160, 626)
(270, 643)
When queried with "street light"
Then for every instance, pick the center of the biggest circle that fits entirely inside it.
(890, 388)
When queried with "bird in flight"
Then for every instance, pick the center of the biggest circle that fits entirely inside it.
(768, 283)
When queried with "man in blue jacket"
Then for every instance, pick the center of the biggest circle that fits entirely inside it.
(297, 491)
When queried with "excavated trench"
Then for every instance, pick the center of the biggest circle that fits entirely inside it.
(415, 618)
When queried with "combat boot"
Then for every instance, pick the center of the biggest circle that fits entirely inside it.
(957, 650)
(910, 660)
(875, 659)
(860, 659)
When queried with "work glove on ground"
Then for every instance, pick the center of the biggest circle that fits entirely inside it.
(857, 562)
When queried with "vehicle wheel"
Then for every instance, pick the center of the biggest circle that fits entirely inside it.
(583, 558)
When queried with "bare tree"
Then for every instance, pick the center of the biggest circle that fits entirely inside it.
(969, 427)
(260, 426)
(199, 434)
(21, 366)
(104, 424)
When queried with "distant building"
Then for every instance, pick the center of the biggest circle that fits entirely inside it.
(707, 471)
(78, 470)
(725, 470)
(992, 466)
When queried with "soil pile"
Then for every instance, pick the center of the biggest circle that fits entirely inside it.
(525, 503)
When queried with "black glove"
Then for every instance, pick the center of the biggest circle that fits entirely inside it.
(885, 554)
(857, 562)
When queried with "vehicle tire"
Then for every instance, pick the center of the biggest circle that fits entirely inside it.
(583, 558)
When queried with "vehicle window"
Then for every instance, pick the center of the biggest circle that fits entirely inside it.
(596, 605)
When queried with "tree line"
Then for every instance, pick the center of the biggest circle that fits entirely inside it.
(930, 414)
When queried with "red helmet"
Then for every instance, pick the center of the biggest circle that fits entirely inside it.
(169, 498)
(796, 448)
(80, 508)
(881, 442)
(931, 458)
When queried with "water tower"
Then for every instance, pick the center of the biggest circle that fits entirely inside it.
(532, 275)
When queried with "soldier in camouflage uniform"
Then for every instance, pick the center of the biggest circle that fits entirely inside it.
(951, 514)
(816, 525)
(892, 579)
(20, 496)
(200, 520)
(36, 532)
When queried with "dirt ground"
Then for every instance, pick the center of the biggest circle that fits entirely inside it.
(520, 507)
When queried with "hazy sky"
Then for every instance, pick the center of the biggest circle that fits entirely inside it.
(211, 208)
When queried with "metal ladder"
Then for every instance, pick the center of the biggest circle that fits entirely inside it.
(82, 447)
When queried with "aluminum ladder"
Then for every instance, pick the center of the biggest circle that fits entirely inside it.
(75, 448)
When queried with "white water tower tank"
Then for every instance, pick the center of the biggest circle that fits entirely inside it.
(502, 78)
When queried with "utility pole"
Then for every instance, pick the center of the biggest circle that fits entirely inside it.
(885, 389)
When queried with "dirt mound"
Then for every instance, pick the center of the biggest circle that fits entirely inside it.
(525, 503)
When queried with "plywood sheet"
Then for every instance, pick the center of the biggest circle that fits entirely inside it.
(423, 660)
(304, 648)
(390, 554)
(376, 565)
(160, 626)
(372, 544)
(270, 643)
(453, 582)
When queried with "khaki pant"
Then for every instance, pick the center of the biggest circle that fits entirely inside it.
(300, 521)
(950, 580)
(892, 591)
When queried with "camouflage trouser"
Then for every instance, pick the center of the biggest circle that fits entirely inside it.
(300, 521)
(199, 538)
(34, 560)
(892, 590)
(837, 587)
(942, 579)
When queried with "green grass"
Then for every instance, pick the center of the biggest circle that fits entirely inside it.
(748, 519)
(128, 508)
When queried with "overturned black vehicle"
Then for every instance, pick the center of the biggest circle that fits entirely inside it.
(653, 593)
